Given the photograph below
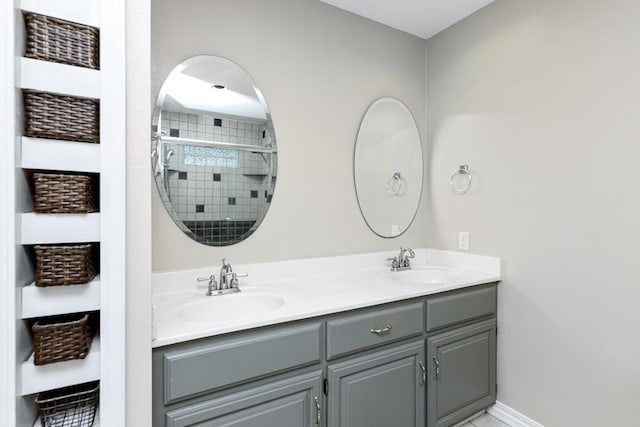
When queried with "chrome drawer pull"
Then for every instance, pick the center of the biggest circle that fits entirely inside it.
(423, 377)
(318, 419)
(437, 371)
(381, 331)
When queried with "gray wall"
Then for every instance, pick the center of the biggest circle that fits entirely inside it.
(541, 99)
(319, 69)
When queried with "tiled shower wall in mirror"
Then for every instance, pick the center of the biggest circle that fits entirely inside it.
(211, 188)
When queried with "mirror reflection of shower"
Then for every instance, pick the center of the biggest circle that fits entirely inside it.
(167, 159)
(214, 151)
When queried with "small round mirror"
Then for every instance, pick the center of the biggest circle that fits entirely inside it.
(388, 167)
(213, 150)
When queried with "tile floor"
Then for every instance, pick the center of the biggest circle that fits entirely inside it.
(484, 420)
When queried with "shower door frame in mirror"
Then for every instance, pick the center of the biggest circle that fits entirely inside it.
(213, 150)
(388, 167)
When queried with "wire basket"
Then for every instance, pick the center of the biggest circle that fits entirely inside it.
(70, 406)
(55, 40)
(62, 193)
(64, 265)
(61, 338)
(53, 116)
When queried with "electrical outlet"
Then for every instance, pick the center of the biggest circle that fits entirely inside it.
(394, 230)
(463, 240)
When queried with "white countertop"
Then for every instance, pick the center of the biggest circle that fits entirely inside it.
(293, 290)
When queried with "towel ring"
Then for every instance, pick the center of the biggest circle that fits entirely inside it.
(394, 185)
(462, 170)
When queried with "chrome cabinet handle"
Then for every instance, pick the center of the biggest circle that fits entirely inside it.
(318, 419)
(437, 371)
(381, 331)
(423, 377)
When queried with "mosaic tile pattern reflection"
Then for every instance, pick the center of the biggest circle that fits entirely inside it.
(218, 194)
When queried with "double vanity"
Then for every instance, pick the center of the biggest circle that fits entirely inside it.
(341, 341)
(352, 341)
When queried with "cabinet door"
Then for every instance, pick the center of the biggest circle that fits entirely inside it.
(290, 403)
(381, 389)
(462, 373)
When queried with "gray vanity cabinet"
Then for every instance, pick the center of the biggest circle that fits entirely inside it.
(212, 381)
(294, 402)
(384, 388)
(428, 361)
(462, 360)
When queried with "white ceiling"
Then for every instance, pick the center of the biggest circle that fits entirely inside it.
(423, 18)
(189, 89)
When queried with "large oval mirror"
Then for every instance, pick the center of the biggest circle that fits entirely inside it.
(213, 150)
(388, 167)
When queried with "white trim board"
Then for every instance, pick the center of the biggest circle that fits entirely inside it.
(7, 216)
(510, 416)
(113, 210)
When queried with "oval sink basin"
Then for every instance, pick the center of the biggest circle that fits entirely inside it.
(228, 308)
(427, 276)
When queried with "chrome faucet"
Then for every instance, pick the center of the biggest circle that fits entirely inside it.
(402, 261)
(228, 281)
(403, 258)
(226, 275)
(228, 278)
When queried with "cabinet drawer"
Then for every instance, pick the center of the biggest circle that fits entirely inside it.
(449, 309)
(374, 328)
(223, 362)
(285, 403)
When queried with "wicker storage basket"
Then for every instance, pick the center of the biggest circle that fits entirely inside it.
(55, 40)
(64, 265)
(60, 338)
(73, 406)
(53, 116)
(60, 193)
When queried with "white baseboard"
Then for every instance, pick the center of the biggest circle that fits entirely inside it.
(511, 417)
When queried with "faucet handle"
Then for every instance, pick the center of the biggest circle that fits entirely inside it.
(234, 279)
(394, 262)
(212, 285)
(210, 279)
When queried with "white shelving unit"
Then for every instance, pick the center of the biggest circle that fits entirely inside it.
(106, 293)
(52, 300)
(44, 154)
(57, 78)
(59, 228)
